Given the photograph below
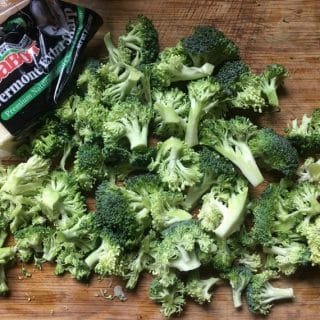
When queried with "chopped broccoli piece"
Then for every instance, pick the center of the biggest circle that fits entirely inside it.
(271, 78)
(273, 151)
(309, 170)
(209, 45)
(177, 164)
(230, 138)
(260, 293)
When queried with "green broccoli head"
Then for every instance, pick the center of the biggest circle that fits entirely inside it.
(209, 45)
(230, 138)
(206, 98)
(224, 257)
(305, 136)
(271, 78)
(171, 298)
(274, 151)
(177, 164)
(128, 119)
(88, 165)
(289, 257)
(174, 65)
(141, 40)
(239, 277)
(260, 293)
(224, 207)
(171, 111)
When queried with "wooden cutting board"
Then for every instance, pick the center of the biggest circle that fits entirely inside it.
(285, 31)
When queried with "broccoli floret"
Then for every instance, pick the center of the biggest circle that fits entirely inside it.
(140, 260)
(83, 234)
(29, 242)
(71, 259)
(88, 165)
(200, 289)
(171, 111)
(7, 255)
(174, 65)
(289, 257)
(106, 259)
(229, 74)
(271, 78)
(309, 170)
(260, 293)
(212, 165)
(208, 44)
(116, 55)
(223, 208)
(27, 177)
(177, 164)
(305, 137)
(230, 138)
(141, 39)
(251, 261)
(115, 217)
(52, 245)
(61, 200)
(125, 81)
(181, 247)
(128, 119)
(205, 98)
(50, 140)
(239, 277)
(171, 298)
(248, 93)
(273, 151)
(312, 232)
(224, 256)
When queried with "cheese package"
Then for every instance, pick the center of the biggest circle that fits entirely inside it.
(40, 44)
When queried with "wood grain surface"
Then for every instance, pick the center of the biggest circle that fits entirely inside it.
(285, 31)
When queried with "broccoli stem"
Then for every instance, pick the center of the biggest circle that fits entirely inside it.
(269, 89)
(196, 191)
(93, 258)
(187, 261)
(137, 134)
(192, 73)
(242, 157)
(236, 297)
(271, 293)
(168, 114)
(191, 137)
(3, 285)
(3, 237)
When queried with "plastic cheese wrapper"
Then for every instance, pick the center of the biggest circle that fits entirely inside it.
(40, 44)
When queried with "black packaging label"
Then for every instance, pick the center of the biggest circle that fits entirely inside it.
(39, 48)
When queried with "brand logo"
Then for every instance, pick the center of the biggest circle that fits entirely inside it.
(14, 59)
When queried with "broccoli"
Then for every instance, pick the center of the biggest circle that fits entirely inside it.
(27, 177)
(7, 255)
(239, 277)
(209, 45)
(29, 242)
(125, 81)
(174, 65)
(271, 78)
(141, 40)
(224, 256)
(212, 165)
(313, 240)
(128, 119)
(305, 137)
(116, 55)
(114, 216)
(205, 98)
(61, 200)
(274, 152)
(250, 261)
(88, 165)
(181, 247)
(71, 259)
(260, 293)
(171, 111)
(229, 74)
(309, 170)
(177, 164)
(52, 245)
(199, 289)
(231, 138)
(171, 297)
(289, 257)
(224, 207)
(51, 139)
